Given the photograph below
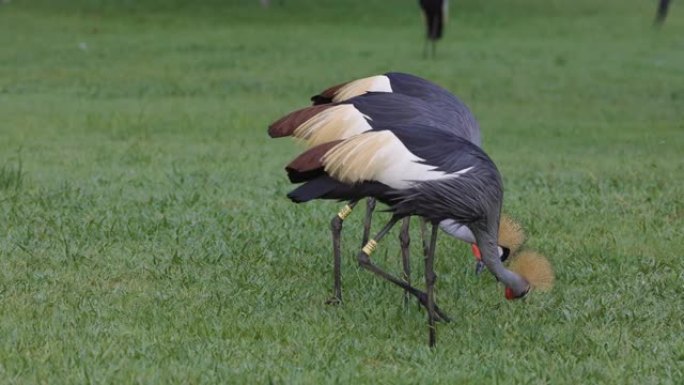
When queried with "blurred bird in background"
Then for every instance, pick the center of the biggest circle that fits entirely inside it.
(435, 13)
(663, 6)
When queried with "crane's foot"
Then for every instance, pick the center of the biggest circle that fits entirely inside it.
(432, 339)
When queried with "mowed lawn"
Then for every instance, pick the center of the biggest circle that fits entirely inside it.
(145, 236)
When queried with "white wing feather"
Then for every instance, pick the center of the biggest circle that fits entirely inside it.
(380, 156)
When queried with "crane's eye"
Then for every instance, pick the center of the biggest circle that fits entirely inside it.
(505, 253)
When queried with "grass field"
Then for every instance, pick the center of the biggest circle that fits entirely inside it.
(145, 236)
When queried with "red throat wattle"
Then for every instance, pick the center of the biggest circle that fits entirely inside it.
(476, 252)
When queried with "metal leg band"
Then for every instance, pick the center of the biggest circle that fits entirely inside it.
(370, 247)
(344, 213)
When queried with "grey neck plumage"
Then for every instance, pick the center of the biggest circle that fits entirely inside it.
(462, 232)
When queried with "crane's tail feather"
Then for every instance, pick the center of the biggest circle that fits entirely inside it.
(535, 268)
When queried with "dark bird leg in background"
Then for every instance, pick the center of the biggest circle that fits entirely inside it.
(429, 44)
(366, 263)
(336, 229)
(433, 26)
(405, 241)
(430, 278)
(434, 48)
(437, 27)
(663, 6)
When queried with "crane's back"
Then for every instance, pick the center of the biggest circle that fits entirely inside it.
(441, 99)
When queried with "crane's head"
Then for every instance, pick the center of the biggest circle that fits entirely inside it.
(534, 269)
(527, 270)
(511, 237)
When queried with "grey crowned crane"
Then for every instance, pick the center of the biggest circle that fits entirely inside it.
(424, 171)
(351, 108)
(435, 13)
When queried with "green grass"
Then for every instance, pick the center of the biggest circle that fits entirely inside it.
(145, 236)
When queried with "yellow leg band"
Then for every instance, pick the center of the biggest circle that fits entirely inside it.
(344, 213)
(370, 247)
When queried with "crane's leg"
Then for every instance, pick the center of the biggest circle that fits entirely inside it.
(405, 241)
(430, 279)
(425, 48)
(434, 49)
(424, 239)
(366, 263)
(336, 229)
(370, 206)
(423, 235)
